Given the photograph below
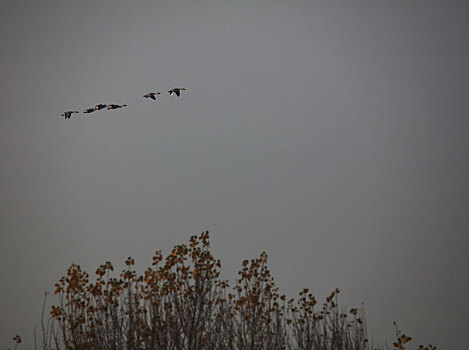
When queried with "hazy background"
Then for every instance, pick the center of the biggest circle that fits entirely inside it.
(332, 135)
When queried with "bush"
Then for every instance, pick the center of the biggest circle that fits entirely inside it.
(180, 302)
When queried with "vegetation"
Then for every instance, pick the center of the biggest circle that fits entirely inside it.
(180, 302)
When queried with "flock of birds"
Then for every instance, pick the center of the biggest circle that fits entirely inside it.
(152, 95)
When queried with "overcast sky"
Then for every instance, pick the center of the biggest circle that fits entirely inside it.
(332, 135)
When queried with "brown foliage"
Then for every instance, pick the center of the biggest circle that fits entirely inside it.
(180, 302)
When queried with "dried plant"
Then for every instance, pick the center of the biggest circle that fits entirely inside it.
(180, 303)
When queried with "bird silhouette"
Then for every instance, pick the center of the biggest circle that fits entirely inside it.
(100, 106)
(152, 95)
(112, 106)
(176, 91)
(68, 114)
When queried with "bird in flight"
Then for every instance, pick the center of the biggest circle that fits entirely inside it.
(115, 106)
(176, 91)
(100, 106)
(152, 95)
(68, 114)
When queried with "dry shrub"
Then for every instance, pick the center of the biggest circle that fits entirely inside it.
(180, 302)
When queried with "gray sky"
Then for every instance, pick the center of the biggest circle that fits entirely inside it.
(332, 135)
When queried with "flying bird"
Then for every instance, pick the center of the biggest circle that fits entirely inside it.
(68, 114)
(115, 106)
(152, 95)
(89, 110)
(176, 91)
(100, 106)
